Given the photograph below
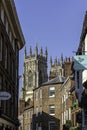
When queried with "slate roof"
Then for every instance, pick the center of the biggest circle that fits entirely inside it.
(58, 79)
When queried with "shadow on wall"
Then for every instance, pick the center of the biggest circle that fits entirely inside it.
(45, 121)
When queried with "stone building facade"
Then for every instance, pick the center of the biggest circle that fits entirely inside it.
(27, 117)
(56, 67)
(45, 94)
(60, 67)
(11, 41)
(66, 101)
(35, 72)
(47, 105)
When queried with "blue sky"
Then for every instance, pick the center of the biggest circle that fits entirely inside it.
(55, 24)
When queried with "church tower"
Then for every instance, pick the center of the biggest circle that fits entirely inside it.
(56, 68)
(35, 72)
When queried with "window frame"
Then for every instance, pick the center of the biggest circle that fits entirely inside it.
(52, 109)
(51, 92)
(1, 42)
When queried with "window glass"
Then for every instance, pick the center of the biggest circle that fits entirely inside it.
(7, 25)
(2, 14)
(36, 110)
(78, 79)
(51, 91)
(36, 96)
(52, 126)
(1, 41)
(40, 93)
(0, 82)
(5, 57)
(52, 109)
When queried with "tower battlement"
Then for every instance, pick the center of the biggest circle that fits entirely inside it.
(36, 54)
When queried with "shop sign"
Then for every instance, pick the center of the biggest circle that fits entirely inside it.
(5, 95)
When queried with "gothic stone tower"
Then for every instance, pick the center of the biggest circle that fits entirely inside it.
(35, 72)
(56, 68)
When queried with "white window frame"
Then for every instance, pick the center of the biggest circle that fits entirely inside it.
(51, 88)
(51, 106)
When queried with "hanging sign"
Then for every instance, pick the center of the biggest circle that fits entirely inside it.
(80, 62)
(5, 95)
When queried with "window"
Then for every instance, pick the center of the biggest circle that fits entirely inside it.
(52, 125)
(6, 25)
(51, 91)
(36, 96)
(16, 76)
(40, 93)
(10, 37)
(40, 109)
(62, 99)
(85, 116)
(29, 114)
(30, 79)
(78, 79)
(13, 44)
(62, 118)
(5, 85)
(36, 110)
(2, 14)
(1, 41)
(36, 126)
(0, 86)
(0, 82)
(52, 109)
(5, 57)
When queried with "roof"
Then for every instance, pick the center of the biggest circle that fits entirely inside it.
(58, 79)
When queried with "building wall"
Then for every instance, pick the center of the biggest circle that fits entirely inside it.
(28, 114)
(9, 55)
(68, 67)
(74, 110)
(56, 68)
(35, 72)
(66, 102)
(42, 115)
